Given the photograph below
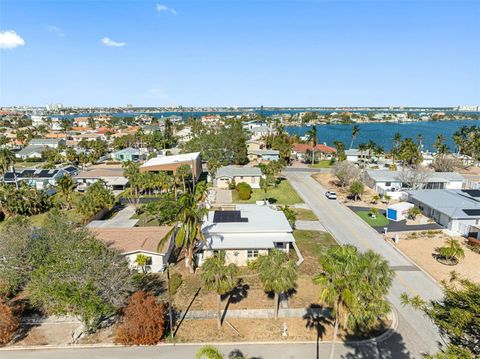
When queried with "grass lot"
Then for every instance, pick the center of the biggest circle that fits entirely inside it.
(305, 214)
(380, 221)
(313, 245)
(321, 164)
(143, 221)
(282, 194)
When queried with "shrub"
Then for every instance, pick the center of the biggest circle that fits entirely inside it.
(175, 282)
(143, 321)
(356, 189)
(413, 212)
(8, 323)
(232, 185)
(244, 191)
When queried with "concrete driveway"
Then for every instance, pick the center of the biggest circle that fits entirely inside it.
(416, 331)
(119, 220)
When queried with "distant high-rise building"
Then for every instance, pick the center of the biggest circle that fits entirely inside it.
(54, 107)
(469, 108)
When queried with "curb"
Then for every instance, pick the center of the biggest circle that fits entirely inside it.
(382, 337)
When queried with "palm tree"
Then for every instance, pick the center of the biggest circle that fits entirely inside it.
(277, 273)
(362, 147)
(355, 132)
(190, 217)
(183, 172)
(7, 159)
(220, 278)
(209, 352)
(313, 138)
(397, 138)
(65, 186)
(337, 285)
(142, 260)
(451, 251)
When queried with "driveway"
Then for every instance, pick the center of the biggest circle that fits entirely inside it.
(223, 196)
(416, 331)
(119, 220)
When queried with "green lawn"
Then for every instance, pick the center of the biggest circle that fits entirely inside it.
(142, 220)
(380, 221)
(321, 164)
(282, 194)
(305, 214)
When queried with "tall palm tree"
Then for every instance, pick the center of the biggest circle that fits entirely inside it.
(355, 132)
(313, 138)
(190, 217)
(65, 186)
(397, 138)
(337, 285)
(277, 273)
(220, 278)
(7, 159)
(362, 147)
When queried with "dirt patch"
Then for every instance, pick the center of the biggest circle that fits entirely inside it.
(420, 250)
(329, 182)
(52, 334)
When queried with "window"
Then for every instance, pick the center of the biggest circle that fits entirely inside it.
(252, 253)
(388, 184)
(149, 261)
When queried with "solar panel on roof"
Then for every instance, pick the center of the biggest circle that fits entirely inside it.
(472, 212)
(472, 192)
(228, 217)
(27, 173)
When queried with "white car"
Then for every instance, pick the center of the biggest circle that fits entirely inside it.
(331, 195)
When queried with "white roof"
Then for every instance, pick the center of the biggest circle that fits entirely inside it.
(166, 160)
(247, 241)
(401, 206)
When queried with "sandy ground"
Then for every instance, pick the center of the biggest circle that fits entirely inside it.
(328, 180)
(53, 334)
(420, 250)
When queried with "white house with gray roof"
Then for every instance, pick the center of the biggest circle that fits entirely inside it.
(384, 181)
(245, 233)
(456, 210)
(236, 174)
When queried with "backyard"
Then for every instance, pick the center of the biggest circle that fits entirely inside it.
(283, 194)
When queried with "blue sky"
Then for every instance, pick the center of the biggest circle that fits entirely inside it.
(240, 53)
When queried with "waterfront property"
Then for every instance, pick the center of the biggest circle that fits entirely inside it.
(155, 243)
(456, 210)
(238, 174)
(300, 151)
(245, 233)
(170, 164)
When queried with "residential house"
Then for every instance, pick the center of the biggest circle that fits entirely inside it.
(170, 164)
(383, 181)
(37, 178)
(112, 177)
(301, 150)
(129, 154)
(31, 152)
(237, 174)
(456, 210)
(245, 233)
(47, 142)
(254, 145)
(156, 243)
(263, 155)
(260, 132)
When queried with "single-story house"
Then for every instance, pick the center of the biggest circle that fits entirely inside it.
(254, 145)
(355, 155)
(149, 241)
(245, 233)
(38, 178)
(456, 210)
(47, 142)
(113, 178)
(299, 151)
(383, 181)
(238, 174)
(259, 132)
(129, 154)
(31, 152)
(170, 164)
(263, 155)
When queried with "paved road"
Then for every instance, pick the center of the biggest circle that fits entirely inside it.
(266, 351)
(416, 331)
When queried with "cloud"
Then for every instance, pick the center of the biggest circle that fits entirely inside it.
(109, 42)
(56, 30)
(164, 8)
(10, 39)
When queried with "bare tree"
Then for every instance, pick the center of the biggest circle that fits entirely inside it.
(444, 163)
(414, 177)
(346, 172)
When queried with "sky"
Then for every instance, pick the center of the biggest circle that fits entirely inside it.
(240, 53)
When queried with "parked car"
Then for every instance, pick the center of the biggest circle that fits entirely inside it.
(330, 195)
